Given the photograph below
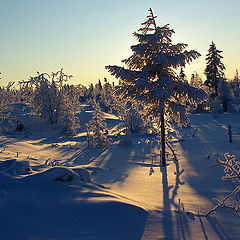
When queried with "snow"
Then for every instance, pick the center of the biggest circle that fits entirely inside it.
(54, 187)
(14, 167)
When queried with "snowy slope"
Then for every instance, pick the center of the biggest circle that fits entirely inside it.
(129, 196)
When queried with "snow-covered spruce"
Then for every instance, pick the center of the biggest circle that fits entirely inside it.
(151, 79)
(220, 95)
(214, 69)
(107, 98)
(225, 96)
(235, 89)
(97, 129)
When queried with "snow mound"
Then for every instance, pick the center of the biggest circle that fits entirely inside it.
(14, 167)
(65, 174)
(125, 142)
(5, 179)
(83, 174)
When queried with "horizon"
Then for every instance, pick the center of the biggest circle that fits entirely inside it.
(84, 37)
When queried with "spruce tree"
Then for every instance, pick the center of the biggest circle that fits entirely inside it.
(225, 95)
(97, 128)
(236, 79)
(214, 69)
(151, 78)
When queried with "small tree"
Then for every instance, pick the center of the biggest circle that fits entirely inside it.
(214, 69)
(107, 96)
(196, 80)
(236, 79)
(235, 89)
(130, 114)
(97, 128)
(67, 116)
(150, 76)
(225, 95)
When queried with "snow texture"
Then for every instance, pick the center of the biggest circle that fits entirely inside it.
(118, 192)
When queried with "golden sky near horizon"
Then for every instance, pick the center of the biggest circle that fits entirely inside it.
(82, 37)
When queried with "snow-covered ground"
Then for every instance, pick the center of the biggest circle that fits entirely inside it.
(54, 187)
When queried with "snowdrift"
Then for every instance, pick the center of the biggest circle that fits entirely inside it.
(127, 195)
(62, 203)
(63, 174)
(14, 167)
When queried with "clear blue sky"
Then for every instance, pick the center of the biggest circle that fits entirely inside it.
(82, 36)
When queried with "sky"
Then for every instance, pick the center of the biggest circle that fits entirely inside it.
(82, 37)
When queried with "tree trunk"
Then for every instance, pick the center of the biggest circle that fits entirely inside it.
(163, 155)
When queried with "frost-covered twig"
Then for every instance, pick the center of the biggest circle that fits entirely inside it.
(235, 206)
(232, 173)
(231, 168)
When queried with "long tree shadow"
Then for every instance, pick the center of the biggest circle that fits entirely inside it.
(178, 183)
(200, 150)
(116, 162)
(169, 201)
(170, 214)
(167, 213)
(112, 164)
(84, 155)
(218, 228)
(202, 227)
